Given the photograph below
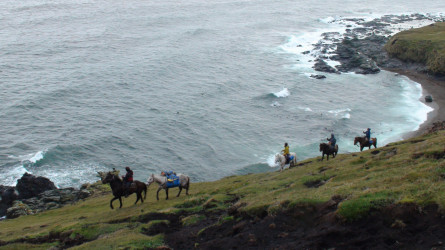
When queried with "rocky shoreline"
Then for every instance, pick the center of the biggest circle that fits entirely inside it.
(361, 49)
(36, 194)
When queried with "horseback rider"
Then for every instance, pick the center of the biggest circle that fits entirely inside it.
(286, 152)
(367, 134)
(332, 141)
(128, 179)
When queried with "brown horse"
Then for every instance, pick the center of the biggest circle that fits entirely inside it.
(327, 150)
(117, 186)
(365, 143)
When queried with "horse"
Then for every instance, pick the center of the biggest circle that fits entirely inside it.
(365, 143)
(117, 186)
(281, 159)
(184, 182)
(327, 150)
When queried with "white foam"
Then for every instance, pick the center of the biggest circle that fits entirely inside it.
(271, 161)
(418, 111)
(37, 157)
(11, 175)
(283, 93)
(307, 109)
(338, 111)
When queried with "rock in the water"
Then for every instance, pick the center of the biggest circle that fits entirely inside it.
(30, 186)
(428, 98)
(318, 76)
(322, 66)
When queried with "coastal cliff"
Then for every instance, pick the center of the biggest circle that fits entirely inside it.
(424, 45)
(384, 198)
(388, 197)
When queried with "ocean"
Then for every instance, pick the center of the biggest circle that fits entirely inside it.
(205, 88)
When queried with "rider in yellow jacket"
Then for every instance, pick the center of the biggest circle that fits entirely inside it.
(286, 152)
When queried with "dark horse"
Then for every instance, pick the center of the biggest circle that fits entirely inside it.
(365, 143)
(117, 186)
(327, 150)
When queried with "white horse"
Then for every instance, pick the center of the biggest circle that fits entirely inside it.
(184, 182)
(281, 160)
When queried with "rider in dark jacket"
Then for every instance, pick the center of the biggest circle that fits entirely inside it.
(332, 141)
(128, 179)
(367, 134)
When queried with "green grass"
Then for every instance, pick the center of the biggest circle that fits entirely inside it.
(424, 45)
(411, 171)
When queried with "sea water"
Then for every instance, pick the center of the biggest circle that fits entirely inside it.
(206, 88)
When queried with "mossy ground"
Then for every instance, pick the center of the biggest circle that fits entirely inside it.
(410, 171)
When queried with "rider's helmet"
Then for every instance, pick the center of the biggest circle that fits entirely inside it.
(127, 168)
(285, 144)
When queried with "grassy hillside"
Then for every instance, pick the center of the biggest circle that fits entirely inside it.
(424, 45)
(406, 172)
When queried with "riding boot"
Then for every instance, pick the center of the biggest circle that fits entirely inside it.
(126, 192)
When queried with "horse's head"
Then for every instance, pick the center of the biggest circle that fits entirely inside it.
(277, 158)
(356, 140)
(150, 179)
(108, 178)
(321, 146)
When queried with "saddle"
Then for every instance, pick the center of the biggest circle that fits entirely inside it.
(288, 160)
(172, 181)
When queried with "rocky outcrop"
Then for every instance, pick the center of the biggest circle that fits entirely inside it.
(35, 194)
(7, 196)
(30, 186)
(322, 66)
(362, 49)
(18, 209)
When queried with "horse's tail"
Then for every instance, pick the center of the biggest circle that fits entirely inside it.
(145, 191)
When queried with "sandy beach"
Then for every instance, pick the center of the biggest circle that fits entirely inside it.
(431, 86)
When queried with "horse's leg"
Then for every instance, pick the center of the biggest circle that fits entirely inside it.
(157, 193)
(166, 193)
(322, 156)
(111, 202)
(138, 196)
(120, 200)
(327, 156)
(187, 187)
(180, 189)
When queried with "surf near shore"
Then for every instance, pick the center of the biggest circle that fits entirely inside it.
(360, 49)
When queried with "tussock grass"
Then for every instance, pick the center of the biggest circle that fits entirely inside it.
(411, 171)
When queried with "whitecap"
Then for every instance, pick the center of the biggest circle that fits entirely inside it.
(338, 111)
(307, 109)
(283, 93)
(37, 157)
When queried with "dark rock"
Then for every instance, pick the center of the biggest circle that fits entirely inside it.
(7, 197)
(318, 76)
(428, 98)
(30, 186)
(322, 66)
